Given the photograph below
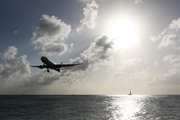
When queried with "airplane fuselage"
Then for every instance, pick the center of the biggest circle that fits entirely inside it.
(49, 63)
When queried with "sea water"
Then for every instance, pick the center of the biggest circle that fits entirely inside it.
(90, 107)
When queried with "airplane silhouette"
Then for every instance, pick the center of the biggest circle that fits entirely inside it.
(47, 63)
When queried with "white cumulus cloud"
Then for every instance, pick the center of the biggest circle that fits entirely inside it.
(14, 67)
(50, 28)
(48, 32)
(137, 1)
(54, 48)
(170, 36)
(71, 47)
(99, 52)
(90, 16)
(172, 58)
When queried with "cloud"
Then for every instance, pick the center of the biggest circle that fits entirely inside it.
(99, 52)
(71, 47)
(17, 71)
(48, 32)
(43, 78)
(1, 68)
(17, 68)
(10, 53)
(54, 48)
(170, 36)
(130, 63)
(172, 58)
(168, 40)
(86, 1)
(137, 1)
(90, 19)
(141, 76)
(40, 78)
(117, 75)
(70, 81)
(14, 67)
(137, 77)
(155, 63)
(169, 78)
(15, 32)
(50, 28)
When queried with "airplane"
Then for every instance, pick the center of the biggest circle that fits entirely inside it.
(47, 63)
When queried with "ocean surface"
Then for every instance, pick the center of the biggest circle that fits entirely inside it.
(90, 107)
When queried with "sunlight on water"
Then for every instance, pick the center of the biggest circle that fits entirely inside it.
(90, 107)
(126, 107)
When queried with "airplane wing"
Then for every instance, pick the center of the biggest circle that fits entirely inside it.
(67, 65)
(40, 66)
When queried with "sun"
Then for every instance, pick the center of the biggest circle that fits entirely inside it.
(123, 34)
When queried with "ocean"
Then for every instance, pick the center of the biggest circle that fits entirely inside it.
(89, 107)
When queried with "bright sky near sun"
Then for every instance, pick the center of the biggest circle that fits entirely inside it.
(124, 44)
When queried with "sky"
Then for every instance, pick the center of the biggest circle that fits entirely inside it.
(124, 45)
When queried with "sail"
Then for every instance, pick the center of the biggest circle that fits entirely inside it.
(130, 93)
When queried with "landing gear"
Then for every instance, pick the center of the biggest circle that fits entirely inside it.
(58, 69)
(48, 70)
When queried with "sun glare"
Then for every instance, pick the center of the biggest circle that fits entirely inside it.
(123, 34)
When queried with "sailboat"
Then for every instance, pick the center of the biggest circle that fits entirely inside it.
(130, 93)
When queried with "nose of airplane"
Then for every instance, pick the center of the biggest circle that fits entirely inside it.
(43, 58)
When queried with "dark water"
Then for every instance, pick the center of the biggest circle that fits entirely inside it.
(96, 107)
